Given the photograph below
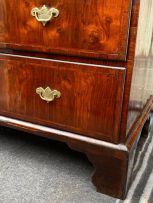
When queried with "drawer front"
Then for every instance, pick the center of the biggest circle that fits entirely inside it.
(93, 28)
(90, 102)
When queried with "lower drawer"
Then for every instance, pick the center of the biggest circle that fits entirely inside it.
(81, 98)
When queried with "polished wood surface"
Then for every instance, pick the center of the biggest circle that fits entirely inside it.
(85, 105)
(111, 161)
(90, 28)
(103, 113)
(142, 79)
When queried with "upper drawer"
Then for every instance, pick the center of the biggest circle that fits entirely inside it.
(89, 28)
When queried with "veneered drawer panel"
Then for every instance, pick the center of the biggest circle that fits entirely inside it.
(90, 102)
(90, 28)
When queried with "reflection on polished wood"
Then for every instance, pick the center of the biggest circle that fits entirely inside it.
(142, 81)
(80, 106)
(83, 28)
(105, 76)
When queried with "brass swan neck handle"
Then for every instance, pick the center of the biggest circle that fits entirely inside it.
(44, 14)
(48, 94)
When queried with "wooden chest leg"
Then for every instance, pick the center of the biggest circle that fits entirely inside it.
(111, 172)
(112, 168)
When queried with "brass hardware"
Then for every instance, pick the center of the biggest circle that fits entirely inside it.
(48, 94)
(44, 14)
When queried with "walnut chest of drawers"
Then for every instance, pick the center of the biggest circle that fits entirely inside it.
(74, 71)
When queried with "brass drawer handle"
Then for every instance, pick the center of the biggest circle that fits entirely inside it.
(48, 94)
(44, 14)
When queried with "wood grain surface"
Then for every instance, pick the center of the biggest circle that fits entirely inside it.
(91, 100)
(90, 54)
(142, 78)
(90, 28)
